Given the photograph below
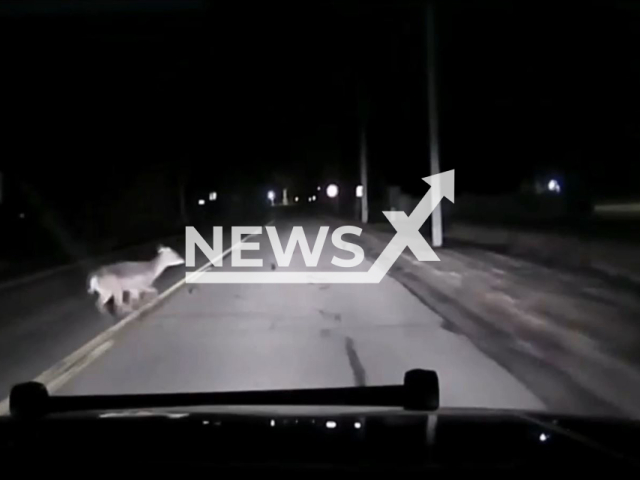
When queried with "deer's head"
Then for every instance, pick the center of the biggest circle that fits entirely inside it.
(169, 256)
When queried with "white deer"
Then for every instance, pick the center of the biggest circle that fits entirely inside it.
(111, 281)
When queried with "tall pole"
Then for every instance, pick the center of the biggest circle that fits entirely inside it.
(364, 211)
(432, 97)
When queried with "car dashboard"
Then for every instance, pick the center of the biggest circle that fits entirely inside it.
(383, 440)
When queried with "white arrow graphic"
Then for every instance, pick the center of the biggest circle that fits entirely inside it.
(407, 235)
(408, 228)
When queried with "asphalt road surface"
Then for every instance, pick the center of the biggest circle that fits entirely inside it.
(209, 337)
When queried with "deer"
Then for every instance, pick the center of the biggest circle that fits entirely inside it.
(136, 278)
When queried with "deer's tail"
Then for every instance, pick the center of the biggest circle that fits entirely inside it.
(92, 283)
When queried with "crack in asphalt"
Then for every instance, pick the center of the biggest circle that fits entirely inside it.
(330, 315)
(359, 373)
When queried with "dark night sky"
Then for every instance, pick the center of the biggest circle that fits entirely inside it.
(245, 90)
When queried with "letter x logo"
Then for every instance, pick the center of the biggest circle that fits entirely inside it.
(408, 228)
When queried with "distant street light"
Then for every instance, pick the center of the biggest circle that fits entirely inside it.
(313, 198)
(271, 196)
(213, 196)
(359, 191)
(201, 202)
(296, 199)
(318, 188)
(332, 191)
(554, 186)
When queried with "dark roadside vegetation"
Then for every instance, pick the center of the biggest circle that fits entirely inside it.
(43, 235)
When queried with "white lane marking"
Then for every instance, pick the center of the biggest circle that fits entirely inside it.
(56, 376)
(57, 382)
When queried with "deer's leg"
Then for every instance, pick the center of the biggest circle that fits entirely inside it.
(151, 291)
(101, 303)
(134, 298)
(121, 307)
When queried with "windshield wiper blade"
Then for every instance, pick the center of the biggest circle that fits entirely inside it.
(420, 391)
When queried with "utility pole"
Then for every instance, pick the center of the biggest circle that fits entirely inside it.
(364, 204)
(432, 97)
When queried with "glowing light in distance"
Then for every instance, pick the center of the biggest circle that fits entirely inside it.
(332, 191)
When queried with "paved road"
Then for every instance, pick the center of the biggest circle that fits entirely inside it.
(254, 336)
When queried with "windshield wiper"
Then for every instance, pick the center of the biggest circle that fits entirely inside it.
(420, 391)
